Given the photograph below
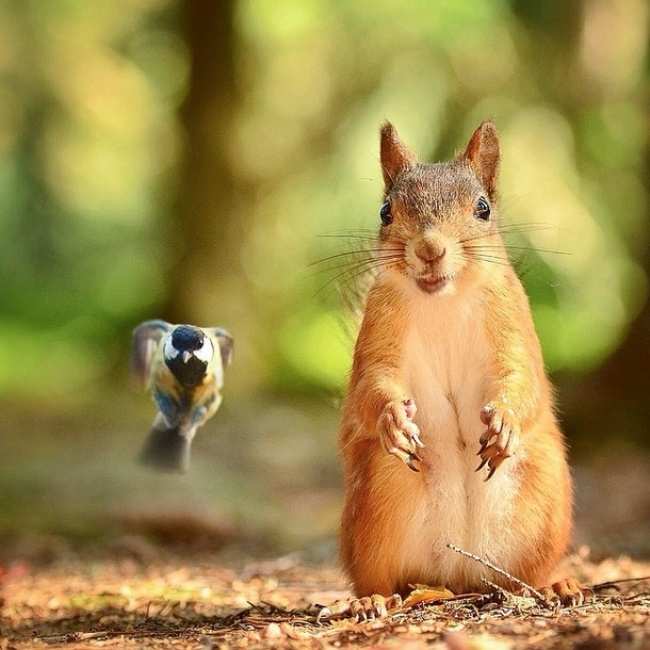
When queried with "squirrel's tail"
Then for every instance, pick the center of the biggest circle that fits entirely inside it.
(166, 449)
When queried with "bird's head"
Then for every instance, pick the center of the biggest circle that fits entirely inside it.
(187, 352)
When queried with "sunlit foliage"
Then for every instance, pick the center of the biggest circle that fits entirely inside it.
(90, 144)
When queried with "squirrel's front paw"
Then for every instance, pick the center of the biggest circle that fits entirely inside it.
(502, 426)
(399, 435)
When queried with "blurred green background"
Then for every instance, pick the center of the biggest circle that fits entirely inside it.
(183, 160)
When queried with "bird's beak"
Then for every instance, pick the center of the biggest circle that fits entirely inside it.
(186, 356)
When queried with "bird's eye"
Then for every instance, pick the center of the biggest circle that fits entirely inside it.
(482, 210)
(384, 213)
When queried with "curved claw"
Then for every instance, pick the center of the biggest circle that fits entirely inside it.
(399, 434)
(410, 463)
(416, 439)
(503, 429)
(482, 465)
(568, 593)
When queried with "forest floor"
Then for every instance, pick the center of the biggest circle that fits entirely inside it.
(95, 552)
(192, 603)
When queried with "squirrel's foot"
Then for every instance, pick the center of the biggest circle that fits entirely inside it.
(399, 435)
(367, 608)
(504, 428)
(568, 591)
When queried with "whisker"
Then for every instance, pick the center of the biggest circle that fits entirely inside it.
(488, 253)
(354, 231)
(354, 275)
(521, 228)
(354, 252)
(351, 264)
(525, 224)
(520, 248)
(503, 261)
(348, 236)
(480, 256)
(369, 269)
(351, 231)
(531, 227)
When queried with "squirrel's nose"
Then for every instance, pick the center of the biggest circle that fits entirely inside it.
(430, 251)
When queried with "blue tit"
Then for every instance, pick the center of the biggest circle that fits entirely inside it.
(182, 366)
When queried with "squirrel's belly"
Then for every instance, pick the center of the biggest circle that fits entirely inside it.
(448, 382)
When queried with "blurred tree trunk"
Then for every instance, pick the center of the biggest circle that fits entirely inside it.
(204, 234)
(610, 404)
(614, 402)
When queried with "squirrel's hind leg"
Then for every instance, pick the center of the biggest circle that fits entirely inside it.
(367, 608)
(568, 591)
(383, 522)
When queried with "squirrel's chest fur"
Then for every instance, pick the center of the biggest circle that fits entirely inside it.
(446, 364)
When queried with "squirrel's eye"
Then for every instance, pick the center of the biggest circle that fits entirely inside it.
(482, 210)
(384, 213)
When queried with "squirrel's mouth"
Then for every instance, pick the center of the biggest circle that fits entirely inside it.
(431, 284)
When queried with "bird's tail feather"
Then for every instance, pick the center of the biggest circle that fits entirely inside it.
(167, 449)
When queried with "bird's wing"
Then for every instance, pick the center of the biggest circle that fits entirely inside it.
(146, 338)
(225, 342)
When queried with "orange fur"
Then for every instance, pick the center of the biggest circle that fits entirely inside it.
(454, 334)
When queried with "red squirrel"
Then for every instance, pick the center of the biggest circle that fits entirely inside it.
(448, 431)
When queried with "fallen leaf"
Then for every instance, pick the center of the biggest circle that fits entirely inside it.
(427, 594)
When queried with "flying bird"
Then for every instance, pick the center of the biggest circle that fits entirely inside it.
(182, 366)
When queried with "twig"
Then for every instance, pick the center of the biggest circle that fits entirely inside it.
(502, 572)
(614, 583)
(496, 587)
(70, 637)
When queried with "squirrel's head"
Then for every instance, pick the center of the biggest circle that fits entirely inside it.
(435, 217)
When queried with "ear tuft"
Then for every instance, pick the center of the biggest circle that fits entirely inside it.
(395, 156)
(483, 155)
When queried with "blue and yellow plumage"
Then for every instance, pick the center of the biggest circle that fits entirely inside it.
(182, 366)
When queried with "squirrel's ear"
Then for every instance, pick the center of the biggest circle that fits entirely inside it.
(482, 153)
(394, 154)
